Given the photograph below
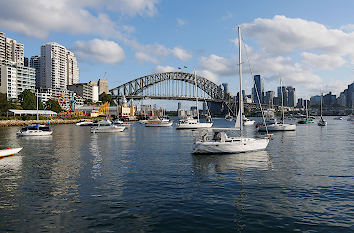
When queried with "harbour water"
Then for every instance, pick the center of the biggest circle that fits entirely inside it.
(146, 180)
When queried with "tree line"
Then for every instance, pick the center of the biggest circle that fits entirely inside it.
(27, 100)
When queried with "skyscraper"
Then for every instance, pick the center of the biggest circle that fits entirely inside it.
(269, 97)
(35, 63)
(10, 50)
(58, 67)
(102, 86)
(258, 89)
(283, 90)
(291, 101)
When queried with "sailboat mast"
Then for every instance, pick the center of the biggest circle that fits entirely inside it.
(196, 92)
(240, 73)
(37, 105)
(282, 101)
(321, 104)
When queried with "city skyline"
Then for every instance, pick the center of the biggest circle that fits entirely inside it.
(130, 39)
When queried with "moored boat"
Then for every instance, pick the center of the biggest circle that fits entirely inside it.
(35, 130)
(158, 123)
(9, 151)
(106, 126)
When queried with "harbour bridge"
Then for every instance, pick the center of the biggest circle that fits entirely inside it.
(175, 86)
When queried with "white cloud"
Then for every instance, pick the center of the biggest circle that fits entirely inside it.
(180, 22)
(132, 7)
(104, 51)
(281, 35)
(347, 28)
(162, 69)
(181, 53)
(322, 61)
(143, 57)
(218, 65)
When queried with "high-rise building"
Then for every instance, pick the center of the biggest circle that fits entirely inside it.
(35, 63)
(14, 79)
(350, 96)
(315, 100)
(329, 99)
(300, 103)
(291, 102)
(226, 87)
(58, 67)
(258, 89)
(94, 91)
(102, 86)
(72, 69)
(269, 97)
(283, 96)
(10, 50)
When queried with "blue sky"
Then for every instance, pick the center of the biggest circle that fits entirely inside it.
(310, 44)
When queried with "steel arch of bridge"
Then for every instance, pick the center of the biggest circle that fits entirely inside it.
(137, 86)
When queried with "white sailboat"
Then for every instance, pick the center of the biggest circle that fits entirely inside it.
(221, 143)
(275, 126)
(190, 123)
(36, 129)
(322, 122)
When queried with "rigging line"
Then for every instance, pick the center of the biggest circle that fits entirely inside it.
(254, 83)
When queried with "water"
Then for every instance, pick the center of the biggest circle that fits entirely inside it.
(146, 180)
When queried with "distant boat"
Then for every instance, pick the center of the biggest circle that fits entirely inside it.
(322, 122)
(338, 118)
(85, 123)
(278, 126)
(158, 123)
(9, 151)
(308, 119)
(190, 123)
(106, 126)
(247, 121)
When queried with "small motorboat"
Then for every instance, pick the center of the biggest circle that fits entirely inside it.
(338, 118)
(9, 151)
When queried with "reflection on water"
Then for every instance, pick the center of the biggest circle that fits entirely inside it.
(146, 179)
(203, 164)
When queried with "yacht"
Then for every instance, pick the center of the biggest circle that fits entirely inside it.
(106, 126)
(221, 143)
(190, 123)
(35, 130)
(247, 121)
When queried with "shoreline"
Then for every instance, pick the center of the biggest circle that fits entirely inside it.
(6, 123)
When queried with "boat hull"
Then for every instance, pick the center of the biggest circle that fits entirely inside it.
(34, 133)
(194, 125)
(9, 152)
(107, 129)
(249, 122)
(278, 127)
(243, 145)
(159, 124)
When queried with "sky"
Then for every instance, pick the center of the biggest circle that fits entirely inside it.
(309, 44)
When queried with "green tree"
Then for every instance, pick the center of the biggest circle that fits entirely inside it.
(88, 102)
(53, 105)
(28, 100)
(106, 98)
(4, 104)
